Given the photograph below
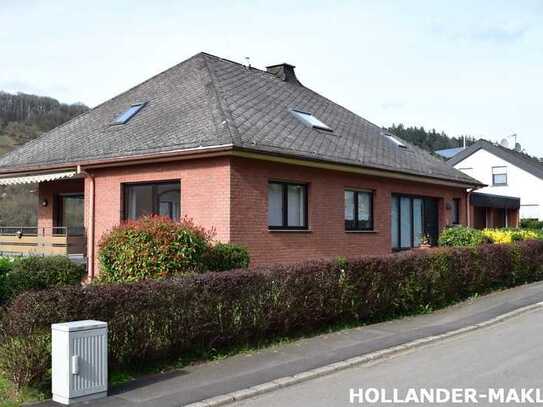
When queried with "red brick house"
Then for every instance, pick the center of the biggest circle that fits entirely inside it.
(267, 162)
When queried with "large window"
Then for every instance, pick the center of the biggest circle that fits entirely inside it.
(287, 205)
(499, 176)
(413, 218)
(358, 210)
(160, 198)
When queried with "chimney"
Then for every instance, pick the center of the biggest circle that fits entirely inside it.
(285, 72)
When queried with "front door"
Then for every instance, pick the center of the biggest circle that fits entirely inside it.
(479, 219)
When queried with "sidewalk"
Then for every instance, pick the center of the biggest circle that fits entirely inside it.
(212, 379)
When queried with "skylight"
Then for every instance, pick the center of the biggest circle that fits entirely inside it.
(309, 120)
(396, 141)
(128, 114)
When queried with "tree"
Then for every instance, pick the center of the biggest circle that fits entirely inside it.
(431, 140)
(24, 117)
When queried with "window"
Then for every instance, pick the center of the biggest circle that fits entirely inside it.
(499, 176)
(411, 219)
(309, 120)
(455, 211)
(287, 206)
(127, 115)
(396, 141)
(161, 198)
(358, 210)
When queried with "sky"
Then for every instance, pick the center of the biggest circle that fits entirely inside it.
(462, 67)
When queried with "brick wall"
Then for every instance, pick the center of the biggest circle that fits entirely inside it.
(327, 236)
(205, 192)
(230, 195)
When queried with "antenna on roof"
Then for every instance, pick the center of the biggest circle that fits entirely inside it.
(504, 143)
(248, 62)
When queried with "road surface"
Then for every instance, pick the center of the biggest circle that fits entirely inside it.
(502, 363)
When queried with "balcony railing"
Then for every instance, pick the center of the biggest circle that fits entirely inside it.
(42, 241)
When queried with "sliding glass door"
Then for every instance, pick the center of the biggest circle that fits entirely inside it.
(69, 210)
(411, 219)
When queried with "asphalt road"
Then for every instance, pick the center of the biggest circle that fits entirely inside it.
(508, 355)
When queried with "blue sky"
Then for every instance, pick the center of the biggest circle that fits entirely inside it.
(463, 67)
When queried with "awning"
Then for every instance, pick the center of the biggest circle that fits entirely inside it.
(32, 179)
(494, 201)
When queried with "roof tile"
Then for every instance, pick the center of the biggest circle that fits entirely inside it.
(206, 101)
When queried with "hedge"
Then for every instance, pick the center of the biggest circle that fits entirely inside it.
(154, 320)
(226, 256)
(38, 272)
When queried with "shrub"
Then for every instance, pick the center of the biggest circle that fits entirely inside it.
(152, 247)
(226, 256)
(6, 264)
(152, 320)
(531, 224)
(461, 236)
(25, 360)
(37, 272)
(509, 235)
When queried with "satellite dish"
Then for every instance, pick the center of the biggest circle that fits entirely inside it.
(504, 143)
(518, 147)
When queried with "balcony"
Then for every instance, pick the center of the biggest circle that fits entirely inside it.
(27, 241)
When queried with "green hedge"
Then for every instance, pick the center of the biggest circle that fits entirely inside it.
(534, 224)
(158, 320)
(226, 256)
(37, 272)
(458, 236)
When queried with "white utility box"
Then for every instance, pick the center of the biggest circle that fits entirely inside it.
(79, 361)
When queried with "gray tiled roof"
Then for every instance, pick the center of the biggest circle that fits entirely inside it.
(521, 160)
(208, 101)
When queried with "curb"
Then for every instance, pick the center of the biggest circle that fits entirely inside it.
(355, 361)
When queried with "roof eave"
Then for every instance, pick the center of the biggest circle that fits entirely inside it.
(339, 166)
(230, 149)
(120, 161)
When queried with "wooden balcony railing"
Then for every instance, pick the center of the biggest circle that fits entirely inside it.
(42, 241)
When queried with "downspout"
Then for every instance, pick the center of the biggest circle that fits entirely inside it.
(90, 228)
(468, 208)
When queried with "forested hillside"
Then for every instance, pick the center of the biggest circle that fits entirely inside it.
(429, 140)
(22, 118)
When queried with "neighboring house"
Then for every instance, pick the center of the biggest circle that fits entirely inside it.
(265, 161)
(508, 173)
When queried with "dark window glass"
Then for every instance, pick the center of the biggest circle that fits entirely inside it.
(358, 210)
(128, 114)
(455, 219)
(287, 206)
(70, 215)
(162, 199)
(412, 218)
